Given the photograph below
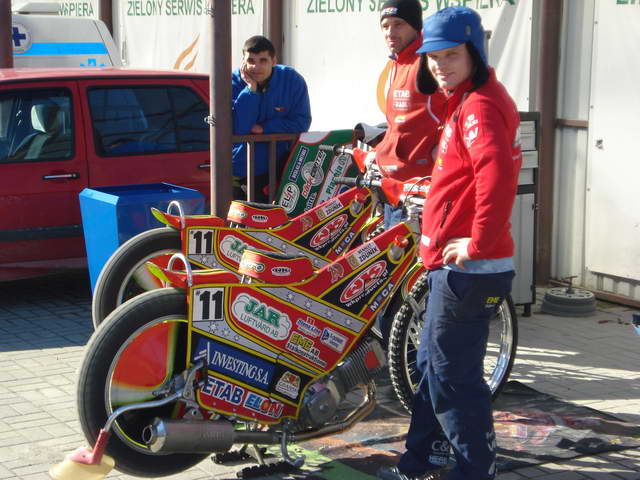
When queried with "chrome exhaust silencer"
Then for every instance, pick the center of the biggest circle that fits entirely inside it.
(180, 436)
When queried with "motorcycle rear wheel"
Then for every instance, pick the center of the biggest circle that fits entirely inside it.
(137, 349)
(405, 334)
(124, 275)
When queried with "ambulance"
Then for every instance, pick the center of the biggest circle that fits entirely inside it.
(43, 38)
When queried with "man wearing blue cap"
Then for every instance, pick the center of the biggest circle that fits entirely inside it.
(467, 247)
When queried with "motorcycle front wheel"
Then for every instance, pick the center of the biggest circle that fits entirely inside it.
(124, 275)
(138, 349)
(405, 338)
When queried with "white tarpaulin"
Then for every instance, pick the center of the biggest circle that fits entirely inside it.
(176, 33)
(338, 46)
(613, 185)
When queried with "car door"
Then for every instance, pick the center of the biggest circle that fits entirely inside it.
(42, 170)
(146, 131)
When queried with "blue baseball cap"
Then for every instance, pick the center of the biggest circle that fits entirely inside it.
(451, 27)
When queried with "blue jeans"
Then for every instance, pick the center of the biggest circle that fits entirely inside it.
(453, 401)
(392, 216)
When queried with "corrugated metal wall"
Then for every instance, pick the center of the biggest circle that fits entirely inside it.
(573, 157)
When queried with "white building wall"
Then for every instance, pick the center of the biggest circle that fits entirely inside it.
(596, 213)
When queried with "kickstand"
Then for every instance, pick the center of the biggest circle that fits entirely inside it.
(256, 452)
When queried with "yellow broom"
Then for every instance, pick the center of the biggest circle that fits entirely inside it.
(85, 463)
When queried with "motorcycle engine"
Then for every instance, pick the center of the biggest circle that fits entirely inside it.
(323, 398)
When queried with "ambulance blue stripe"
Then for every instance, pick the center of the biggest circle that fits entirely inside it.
(54, 48)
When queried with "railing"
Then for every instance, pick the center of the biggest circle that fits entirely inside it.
(251, 140)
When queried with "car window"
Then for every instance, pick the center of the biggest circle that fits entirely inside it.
(35, 125)
(147, 120)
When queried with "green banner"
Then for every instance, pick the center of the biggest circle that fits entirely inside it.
(308, 177)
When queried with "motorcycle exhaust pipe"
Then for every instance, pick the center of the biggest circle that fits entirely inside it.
(180, 436)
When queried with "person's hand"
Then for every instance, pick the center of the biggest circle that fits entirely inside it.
(257, 129)
(247, 78)
(456, 250)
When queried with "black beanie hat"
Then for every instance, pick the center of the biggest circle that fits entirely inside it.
(408, 10)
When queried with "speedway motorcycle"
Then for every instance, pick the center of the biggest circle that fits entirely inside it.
(266, 355)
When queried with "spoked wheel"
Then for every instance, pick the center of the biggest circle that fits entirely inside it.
(405, 338)
(124, 275)
(138, 349)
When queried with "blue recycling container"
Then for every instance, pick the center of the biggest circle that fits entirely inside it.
(112, 215)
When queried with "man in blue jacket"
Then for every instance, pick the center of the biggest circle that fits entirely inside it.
(266, 98)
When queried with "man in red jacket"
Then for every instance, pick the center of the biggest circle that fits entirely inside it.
(413, 118)
(467, 247)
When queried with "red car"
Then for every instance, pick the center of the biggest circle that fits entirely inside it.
(64, 130)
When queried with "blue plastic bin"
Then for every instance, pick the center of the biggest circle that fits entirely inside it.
(112, 215)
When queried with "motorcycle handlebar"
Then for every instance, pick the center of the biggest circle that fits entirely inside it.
(336, 149)
(358, 181)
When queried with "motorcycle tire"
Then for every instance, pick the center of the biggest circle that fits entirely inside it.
(124, 275)
(405, 334)
(135, 351)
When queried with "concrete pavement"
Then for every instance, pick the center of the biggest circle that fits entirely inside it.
(44, 324)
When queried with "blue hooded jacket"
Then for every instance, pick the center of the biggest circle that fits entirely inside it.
(282, 108)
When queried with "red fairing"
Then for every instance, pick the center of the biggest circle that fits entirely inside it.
(250, 216)
(413, 119)
(476, 175)
(395, 191)
(359, 157)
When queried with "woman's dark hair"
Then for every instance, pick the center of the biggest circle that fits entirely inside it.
(258, 44)
(426, 84)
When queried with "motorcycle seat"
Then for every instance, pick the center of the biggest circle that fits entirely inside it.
(256, 215)
(275, 267)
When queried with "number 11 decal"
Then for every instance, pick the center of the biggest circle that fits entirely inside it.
(208, 304)
(197, 239)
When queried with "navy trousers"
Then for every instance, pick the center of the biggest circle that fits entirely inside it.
(452, 406)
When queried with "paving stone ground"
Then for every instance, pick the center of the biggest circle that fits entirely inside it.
(45, 323)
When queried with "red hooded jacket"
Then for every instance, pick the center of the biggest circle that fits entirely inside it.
(475, 178)
(412, 121)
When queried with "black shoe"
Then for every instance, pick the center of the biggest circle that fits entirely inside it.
(393, 473)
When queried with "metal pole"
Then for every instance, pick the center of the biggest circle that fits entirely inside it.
(273, 25)
(547, 96)
(220, 107)
(105, 13)
(6, 44)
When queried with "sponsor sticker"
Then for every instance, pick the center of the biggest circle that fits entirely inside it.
(307, 223)
(312, 173)
(305, 347)
(281, 271)
(234, 363)
(251, 265)
(337, 272)
(369, 278)
(221, 390)
(308, 327)
(232, 248)
(259, 218)
(302, 156)
(362, 254)
(289, 385)
(237, 212)
(263, 405)
(329, 208)
(261, 317)
(329, 232)
(289, 197)
(334, 340)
